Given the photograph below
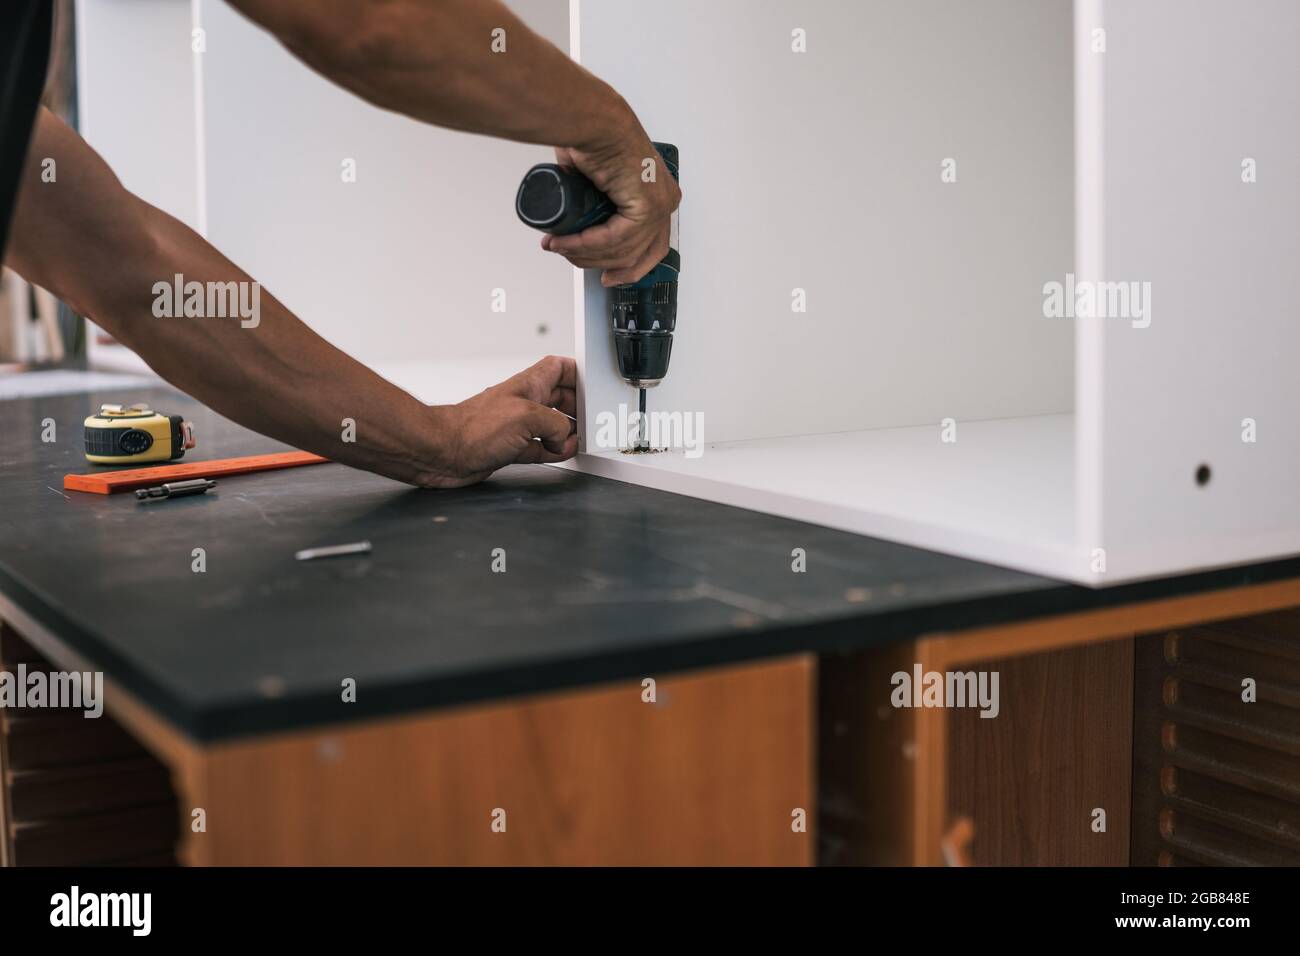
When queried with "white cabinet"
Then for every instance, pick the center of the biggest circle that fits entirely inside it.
(917, 174)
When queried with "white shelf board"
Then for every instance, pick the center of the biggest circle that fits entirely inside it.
(1002, 493)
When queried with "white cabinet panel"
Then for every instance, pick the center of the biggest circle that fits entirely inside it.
(1196, 88)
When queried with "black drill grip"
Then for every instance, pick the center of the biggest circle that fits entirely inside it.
(560, 201)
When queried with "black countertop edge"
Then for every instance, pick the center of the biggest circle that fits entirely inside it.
(845, 634)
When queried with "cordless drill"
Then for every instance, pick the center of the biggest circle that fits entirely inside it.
(643, 314)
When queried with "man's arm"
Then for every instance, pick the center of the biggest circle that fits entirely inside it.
(433, 60)
(101, 249)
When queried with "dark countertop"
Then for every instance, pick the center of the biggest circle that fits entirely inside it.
(604, 581)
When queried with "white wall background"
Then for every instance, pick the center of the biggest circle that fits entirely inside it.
(135, 106)
(136, 97)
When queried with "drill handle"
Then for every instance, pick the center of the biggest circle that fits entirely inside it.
(560, 201)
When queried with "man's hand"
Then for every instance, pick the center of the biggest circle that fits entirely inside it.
(633, 240)
(526, 419)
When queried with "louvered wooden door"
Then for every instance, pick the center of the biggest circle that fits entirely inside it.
(1216, 776)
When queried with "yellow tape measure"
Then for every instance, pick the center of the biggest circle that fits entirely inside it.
(126, 434)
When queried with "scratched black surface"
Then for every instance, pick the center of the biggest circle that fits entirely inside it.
(604, 580)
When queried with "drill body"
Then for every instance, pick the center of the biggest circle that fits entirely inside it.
(643, 314)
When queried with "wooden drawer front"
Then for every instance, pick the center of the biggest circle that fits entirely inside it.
(1217, 778)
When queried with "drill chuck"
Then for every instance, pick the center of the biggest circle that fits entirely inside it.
(643, 314)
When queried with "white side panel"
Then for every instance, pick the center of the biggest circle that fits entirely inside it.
(821, 171)
(447, 381)
(403, 262)
(1193, 89)
(1089, 218)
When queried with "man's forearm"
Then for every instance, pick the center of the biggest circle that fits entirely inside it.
(279, 377)
(434, 60)
(442, 61)
(103, 250)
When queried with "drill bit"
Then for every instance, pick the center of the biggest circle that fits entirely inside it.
(175, 489)
(643, 442)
